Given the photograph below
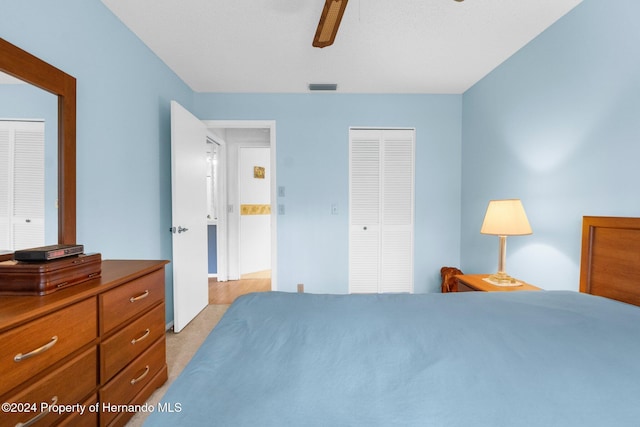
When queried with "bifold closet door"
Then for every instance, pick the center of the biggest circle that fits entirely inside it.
(381, 205)
(22, 184)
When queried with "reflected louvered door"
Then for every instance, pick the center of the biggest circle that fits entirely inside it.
(22, 204)
(5, 163)
(381, 210)
(28, 204)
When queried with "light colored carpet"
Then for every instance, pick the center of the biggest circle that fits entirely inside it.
(181, 348)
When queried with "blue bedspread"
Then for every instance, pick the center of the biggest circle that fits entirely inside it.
(467, 359)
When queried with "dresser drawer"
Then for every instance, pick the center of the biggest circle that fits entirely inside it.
(88, 419)
(130, 381)
(32, 403)
(32, 347)
(119, 305)
(120, 349)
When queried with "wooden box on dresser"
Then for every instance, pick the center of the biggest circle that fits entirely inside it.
(97, 348)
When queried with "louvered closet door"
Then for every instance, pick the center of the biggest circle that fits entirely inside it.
(28, 190)
(397, 211)
(381, 210)
(22, 188)
(5, 223)
(364, 211)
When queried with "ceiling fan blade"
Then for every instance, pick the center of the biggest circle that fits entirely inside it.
(329, 22)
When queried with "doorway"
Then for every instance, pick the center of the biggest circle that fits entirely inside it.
(243, 216)
(189, 135)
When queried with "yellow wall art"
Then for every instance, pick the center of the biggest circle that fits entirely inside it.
(258, 172)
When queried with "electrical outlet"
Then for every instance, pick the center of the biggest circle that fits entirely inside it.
(280, 209)
(334, 209)
(281, 191)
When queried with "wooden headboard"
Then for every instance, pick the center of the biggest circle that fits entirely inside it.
(610, 263)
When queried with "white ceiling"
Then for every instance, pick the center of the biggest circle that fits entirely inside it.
(383, 46)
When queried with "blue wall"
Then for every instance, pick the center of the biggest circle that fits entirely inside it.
(557, 125)
(312, 145)
(123, 130)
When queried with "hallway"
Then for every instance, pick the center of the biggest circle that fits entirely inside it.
(227, 292)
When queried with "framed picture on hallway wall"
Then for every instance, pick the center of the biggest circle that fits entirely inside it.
(258, 172)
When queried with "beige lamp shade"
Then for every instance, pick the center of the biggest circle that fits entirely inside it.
(506, 218)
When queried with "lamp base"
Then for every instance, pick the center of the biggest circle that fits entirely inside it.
(502, 279)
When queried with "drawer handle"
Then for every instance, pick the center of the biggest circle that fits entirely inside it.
(144, 374)
(20, 357)
(40, 416)
(139, 297)
(145, 335)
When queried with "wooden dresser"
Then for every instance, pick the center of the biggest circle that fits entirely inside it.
(84, 355)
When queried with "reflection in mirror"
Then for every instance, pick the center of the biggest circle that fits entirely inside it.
(28, 165)
(24, 66)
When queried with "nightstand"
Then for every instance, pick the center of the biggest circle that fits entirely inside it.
(475, 282)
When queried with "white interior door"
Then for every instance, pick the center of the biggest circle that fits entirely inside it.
(364, 211)
(397, 209)
(381, 206)
(220, 202)
(189, 215)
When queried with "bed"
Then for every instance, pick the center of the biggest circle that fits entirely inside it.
(552, 358)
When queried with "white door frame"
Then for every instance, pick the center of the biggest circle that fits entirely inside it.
(271, 125)
(221, 203)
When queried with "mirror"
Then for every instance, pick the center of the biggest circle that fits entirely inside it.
(28, 68)
(28, 165)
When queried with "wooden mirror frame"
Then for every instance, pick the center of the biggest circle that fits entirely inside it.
(26, 67)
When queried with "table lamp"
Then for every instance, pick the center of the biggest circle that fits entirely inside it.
(504, 218)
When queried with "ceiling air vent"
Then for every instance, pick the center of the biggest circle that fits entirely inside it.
(323, 86)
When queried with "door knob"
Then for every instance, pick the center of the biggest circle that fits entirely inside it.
(180, 229)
